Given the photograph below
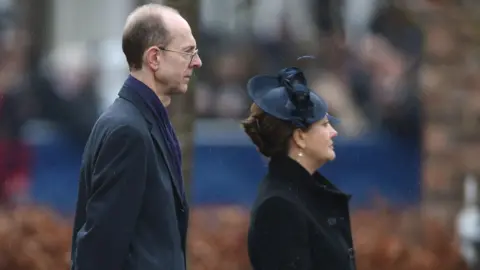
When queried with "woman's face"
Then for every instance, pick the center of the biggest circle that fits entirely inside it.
(316, 144)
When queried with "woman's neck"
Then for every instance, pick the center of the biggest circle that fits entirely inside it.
(308, 164)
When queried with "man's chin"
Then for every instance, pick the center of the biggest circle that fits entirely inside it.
(180, 90)
(183, 88)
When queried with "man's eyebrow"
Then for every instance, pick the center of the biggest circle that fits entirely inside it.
(189, 48)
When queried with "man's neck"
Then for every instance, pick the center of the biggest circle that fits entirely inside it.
(149, 81)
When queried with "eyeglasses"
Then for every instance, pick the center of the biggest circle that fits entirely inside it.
(191, 54)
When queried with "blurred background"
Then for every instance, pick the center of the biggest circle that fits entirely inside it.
(402, 75)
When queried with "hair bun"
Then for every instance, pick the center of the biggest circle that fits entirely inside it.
(252, 129)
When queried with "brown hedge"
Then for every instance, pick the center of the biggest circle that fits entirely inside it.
(33, 238)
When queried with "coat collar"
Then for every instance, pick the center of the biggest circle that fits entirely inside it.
(129, 92)
(288, 170)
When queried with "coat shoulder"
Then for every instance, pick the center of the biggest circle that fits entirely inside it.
(120, 120)
(272, 192)
(121, 115)
(275, 208)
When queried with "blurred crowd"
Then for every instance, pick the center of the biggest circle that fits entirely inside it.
(371, 84)
(368, 76)
(53, 93)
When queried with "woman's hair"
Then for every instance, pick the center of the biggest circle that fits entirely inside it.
(270, 134)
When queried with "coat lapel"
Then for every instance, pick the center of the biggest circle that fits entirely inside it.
(160, 142)
(129, 94)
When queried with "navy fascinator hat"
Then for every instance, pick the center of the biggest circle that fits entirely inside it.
(287, 97)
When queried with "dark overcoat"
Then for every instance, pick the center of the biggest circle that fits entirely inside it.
(299, 222)
(131, 213)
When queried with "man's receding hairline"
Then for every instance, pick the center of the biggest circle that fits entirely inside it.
(145, 11)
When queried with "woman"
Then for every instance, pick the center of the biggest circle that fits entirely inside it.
(300, 220)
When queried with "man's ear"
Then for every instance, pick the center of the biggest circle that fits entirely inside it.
(152, 58)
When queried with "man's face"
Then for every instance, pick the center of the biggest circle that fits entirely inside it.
(179, 58)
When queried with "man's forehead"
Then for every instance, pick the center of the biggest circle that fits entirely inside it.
(180, 32)
(174, 21)
(184, 40)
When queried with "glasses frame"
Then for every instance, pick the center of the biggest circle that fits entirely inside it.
(191, 54)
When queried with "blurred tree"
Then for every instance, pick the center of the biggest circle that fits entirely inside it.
(182, 109)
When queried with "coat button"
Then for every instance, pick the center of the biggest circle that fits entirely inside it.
(332, 221)
(351, 253)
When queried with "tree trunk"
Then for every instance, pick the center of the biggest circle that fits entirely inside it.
(182, 108)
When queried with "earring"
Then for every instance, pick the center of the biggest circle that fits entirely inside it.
(300, 154)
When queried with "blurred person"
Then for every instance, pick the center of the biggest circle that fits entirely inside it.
(336, 93)
(277, 27)
(299, 220)
(65, 92)
(231, 97)
(323, 15)
(383, 74)
(131, 210)
(15, 153)
(384, 86)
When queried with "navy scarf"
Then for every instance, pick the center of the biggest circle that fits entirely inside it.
(161, 115)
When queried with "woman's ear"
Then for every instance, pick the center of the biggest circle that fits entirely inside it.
(299, 138)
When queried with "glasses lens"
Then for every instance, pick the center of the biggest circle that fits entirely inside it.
(191, 58)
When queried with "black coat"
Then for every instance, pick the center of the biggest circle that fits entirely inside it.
(130, 211)
(299, 221)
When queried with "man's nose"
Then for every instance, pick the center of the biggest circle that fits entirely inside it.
(196, 62)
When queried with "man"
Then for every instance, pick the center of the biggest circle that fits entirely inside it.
(131, 210)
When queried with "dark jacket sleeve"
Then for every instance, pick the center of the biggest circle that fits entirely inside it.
(278, 238)
(116, 193)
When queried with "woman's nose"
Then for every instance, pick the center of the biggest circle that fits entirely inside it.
(334, 133)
